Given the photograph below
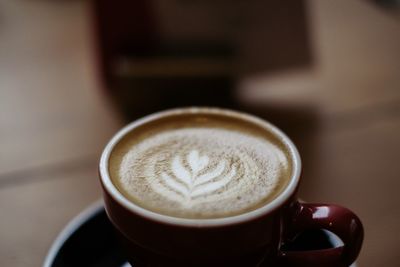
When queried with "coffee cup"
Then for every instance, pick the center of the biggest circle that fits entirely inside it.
(214, 187)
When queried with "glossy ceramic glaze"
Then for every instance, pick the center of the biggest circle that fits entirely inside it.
(89, 240)
(230, 241)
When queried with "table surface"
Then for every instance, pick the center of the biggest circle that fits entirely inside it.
(54, 122)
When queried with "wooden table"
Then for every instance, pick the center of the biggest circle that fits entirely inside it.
(55, 122)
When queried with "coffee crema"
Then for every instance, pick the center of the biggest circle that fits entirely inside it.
(200, 165)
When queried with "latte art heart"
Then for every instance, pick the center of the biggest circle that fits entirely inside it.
(189, 184)
(200, 172)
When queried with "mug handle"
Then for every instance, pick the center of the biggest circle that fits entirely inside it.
(339, 220)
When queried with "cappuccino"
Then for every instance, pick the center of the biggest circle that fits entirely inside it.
(201, 163)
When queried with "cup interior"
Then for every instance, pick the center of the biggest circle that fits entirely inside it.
(277, 202)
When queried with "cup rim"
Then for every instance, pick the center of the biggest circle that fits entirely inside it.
(284, 196)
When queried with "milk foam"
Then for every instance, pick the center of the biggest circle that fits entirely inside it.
(200, 172)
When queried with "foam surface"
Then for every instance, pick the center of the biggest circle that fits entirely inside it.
(200, 172)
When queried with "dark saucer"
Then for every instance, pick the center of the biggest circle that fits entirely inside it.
(89, 240)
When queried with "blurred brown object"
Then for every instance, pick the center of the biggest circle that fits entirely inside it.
(162, 54)
(342, 110)
(389, 3)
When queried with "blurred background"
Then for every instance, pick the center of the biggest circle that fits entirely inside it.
(73, 72)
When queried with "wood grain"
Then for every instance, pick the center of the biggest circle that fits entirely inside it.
(33, 213)
(55, 122)
(50, 107)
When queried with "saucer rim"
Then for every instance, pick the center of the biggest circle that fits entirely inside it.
(88, 213)
(70, 228)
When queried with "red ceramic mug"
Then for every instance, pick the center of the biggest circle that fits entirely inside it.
(253, 238)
